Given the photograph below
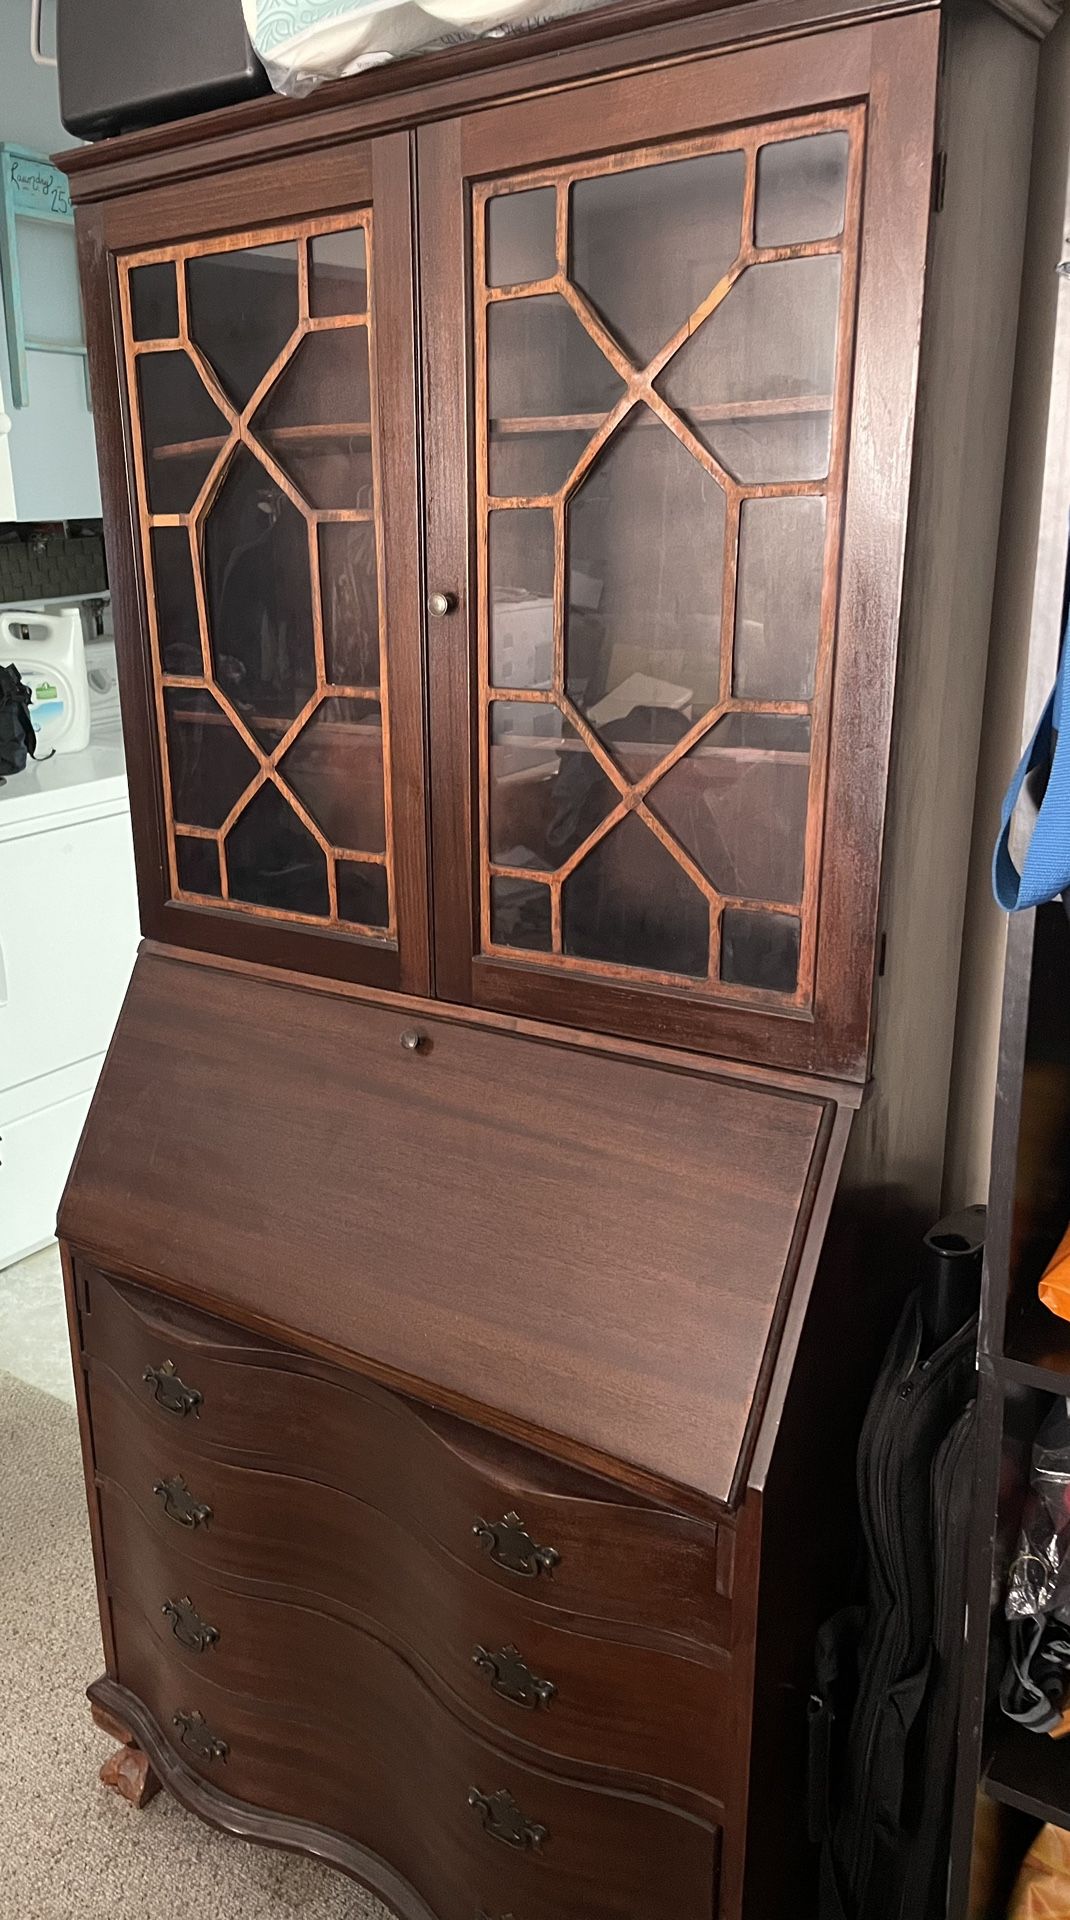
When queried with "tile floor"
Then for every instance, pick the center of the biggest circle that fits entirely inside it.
(33, 1324)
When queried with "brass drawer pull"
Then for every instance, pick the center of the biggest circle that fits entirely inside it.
(195, 1733)
(179, 1504)
(510, 1675)
(187, 1626)
(511, 1546)
(169, 1392)
(503, 1820)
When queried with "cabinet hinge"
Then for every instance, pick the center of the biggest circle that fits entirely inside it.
(939, 180)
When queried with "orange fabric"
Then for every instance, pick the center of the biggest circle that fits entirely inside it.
(1043, 1889)
(1055, 1284)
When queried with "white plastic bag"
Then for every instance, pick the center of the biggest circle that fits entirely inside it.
(302, 43)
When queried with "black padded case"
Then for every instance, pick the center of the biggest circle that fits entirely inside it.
(134, 63)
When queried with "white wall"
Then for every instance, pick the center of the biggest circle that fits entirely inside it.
(984, 939)
(48, 465)
(29, 94)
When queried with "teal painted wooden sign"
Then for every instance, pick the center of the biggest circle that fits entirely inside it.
(31, 188)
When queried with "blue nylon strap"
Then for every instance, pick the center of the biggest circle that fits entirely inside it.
(1046, 869)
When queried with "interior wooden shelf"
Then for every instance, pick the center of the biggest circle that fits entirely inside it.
(777, 409)
(704, 750)
(359, 731)
(1037, 1347)
(298, 436)
(342, 430)
(1032, 1772)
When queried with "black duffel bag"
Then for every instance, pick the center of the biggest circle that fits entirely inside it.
(17, 737)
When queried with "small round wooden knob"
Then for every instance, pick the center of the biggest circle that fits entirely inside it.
(412, 1040)
(441, 603)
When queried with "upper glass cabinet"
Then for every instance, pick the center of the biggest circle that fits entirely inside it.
(255, 433)
(663, 352)
(591, 607)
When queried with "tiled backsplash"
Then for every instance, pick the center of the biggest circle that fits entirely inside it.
(50, 560)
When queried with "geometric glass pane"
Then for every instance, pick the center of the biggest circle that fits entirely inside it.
(198, 866)
(242, 310)
(210, 764)
(650, 243)
(789, 446)
(349, 591)
(154, 301)
(531, 466)
(549, 387)
(272, 859)
(175, 600)
(259, 599)
(801, 189)
(315, 419)
(645, 569)
(629, 902)
(520, 914)
(755, 381)
(183, 430)
(338, 274)
(521, 237)
(547, 792)
(335, 767)
(760, 949)
(740, 812)
(521, 568)
(778, 608)
(363, 896)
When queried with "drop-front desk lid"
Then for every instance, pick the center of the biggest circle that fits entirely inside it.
(593, 1252)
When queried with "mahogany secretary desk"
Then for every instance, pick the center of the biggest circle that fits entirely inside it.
(533, 474)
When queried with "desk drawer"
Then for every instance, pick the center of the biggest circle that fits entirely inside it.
(523, 1524)
(470, 1826)
(277, 1614)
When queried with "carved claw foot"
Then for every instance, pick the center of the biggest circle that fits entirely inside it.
(128, 1771)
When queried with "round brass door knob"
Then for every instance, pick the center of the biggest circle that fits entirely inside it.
(411, 1040)
(441, 603)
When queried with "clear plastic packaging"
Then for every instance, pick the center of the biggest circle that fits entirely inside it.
(1039, 1580)
(1035, 1689)
(303, 43)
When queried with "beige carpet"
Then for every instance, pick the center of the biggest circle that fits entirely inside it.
(69, 1850)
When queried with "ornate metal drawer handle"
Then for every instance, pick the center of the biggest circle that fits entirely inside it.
(179, 1504)
(169, 1391)
(511, 1546)
(187, 1626)
(510, 1675)
(503, 1820)
(195, 1733)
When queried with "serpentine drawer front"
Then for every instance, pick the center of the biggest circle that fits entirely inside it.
(469, 1822)
(340, 1505)
(577, 1545)
(662, 1719)
(615, 1272)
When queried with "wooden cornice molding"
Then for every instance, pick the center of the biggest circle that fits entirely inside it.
(626, 34)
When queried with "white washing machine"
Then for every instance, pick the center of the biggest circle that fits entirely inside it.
(68, 935)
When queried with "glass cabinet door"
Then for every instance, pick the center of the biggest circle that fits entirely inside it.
(661, 396)
(257, 452)
(658, 450)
